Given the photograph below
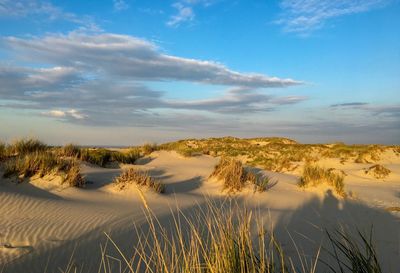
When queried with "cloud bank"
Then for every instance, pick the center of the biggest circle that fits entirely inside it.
(102, 79)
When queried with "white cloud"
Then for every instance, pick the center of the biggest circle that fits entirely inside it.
(29, 8)
(304, 16)
(132, 58)
(120, 5)
(185, 13)
(101, 80)
(72, 113)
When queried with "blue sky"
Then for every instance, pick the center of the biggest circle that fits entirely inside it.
(127, 72)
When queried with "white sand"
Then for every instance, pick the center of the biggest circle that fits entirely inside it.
(43, 224)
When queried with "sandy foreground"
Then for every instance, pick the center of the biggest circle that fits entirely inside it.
(43, 225)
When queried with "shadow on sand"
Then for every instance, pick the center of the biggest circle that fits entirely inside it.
(305, 225)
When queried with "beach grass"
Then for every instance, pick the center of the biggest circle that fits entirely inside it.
(140, 178)
(315, 175)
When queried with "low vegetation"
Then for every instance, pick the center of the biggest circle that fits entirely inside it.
(393, 209)
(99, 156)
(378, 171)
(315, 175)
(224, 238)
(352, 254)
(43, 163)
(3, 151)
(235, 176)
(70, 150)
(148, 148)
(276, 154)
(133, 176)
(26, 146)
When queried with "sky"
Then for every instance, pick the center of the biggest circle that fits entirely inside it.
(127, 72)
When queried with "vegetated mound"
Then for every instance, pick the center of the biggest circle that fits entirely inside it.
(378, 171)
(235, 176)
(44, 163)
(315, 175)
(276, 154)
(141, 178)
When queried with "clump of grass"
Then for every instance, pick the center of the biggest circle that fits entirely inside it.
(70, 150)
(126, 157)
(98, 157)
(234, 176)
(25, 146)
(141, 178)
(378, 171)
(102, 157)
(352, 254)
(222, 238)
(217, 240)
(315, 175)
(395, 209)
(41, 164)
(262, 184)
(3, 151)
(148, 148)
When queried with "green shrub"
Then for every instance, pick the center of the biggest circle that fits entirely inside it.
(314, 175)
(140, 178)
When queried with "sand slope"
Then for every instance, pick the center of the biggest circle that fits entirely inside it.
(42, 225)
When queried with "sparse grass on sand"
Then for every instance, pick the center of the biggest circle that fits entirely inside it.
(140, 178)
(315, 175)
(378, 171)
(235, 176)
(43, 163)
(223, 238)
(277, 154)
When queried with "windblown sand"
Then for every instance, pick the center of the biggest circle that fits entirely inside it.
(43, 225)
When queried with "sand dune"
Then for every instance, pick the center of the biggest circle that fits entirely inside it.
(43, 226)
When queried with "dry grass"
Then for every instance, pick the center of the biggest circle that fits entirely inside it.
(141, 178)
(3, 151)
(148, 148)
(223, 238)
(378, 171)
(395, 209)
(25, 146)
(214, 240)
(235, 176)
(315, 175)
(103, 157)
(70, 150)
(41, 164)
